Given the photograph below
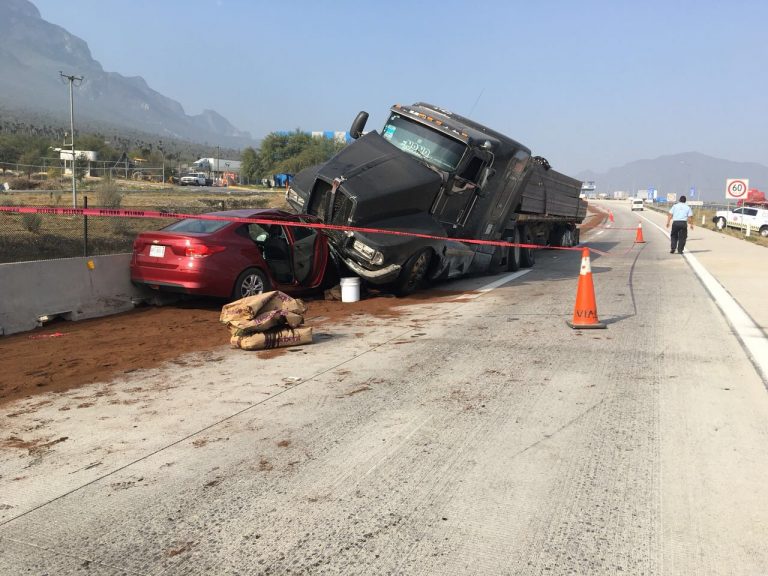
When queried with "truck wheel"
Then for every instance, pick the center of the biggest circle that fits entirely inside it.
(527, 255)
(413, 273)
(250, 283)
(764, 231)
(563, 236)
(720, 223)
(500, 258)
(515, 252)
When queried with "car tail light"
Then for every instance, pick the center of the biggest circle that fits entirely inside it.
(138, 246)
(202, 250)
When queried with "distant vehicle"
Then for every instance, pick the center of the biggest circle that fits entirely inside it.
(755, 198)
(194, 179)
(588, 190)
(740, 218)
(233, 259)
(638, 204)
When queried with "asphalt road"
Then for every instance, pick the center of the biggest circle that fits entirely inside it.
(476, 436)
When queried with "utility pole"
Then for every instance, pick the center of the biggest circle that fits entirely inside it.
(77, 81)
(217, 158)
(160, 147)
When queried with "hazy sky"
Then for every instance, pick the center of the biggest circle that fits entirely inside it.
(590, 84)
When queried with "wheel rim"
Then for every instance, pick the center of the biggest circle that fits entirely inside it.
(252, 285)
(418, 270)
(420, 266)
(721, 223)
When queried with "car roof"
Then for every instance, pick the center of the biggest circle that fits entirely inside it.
(254, 213)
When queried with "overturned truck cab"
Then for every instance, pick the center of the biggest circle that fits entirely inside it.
(433, 173)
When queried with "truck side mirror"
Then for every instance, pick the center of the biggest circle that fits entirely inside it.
(358, 125)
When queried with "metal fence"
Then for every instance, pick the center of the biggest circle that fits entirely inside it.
(27, 237)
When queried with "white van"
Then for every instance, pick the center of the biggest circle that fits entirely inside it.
(637, 204)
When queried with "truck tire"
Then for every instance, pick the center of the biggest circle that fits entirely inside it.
(764, 231)
(414, 272)
(251, 282)
(563, 236)
(515, 252)
(527, 255)
(720, 223)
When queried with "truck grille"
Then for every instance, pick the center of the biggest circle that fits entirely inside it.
(341, 211)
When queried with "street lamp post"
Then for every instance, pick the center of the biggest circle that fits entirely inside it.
(76, 80)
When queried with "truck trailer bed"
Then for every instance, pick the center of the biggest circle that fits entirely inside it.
(551, 193)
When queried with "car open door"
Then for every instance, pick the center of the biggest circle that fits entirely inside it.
(304, 250)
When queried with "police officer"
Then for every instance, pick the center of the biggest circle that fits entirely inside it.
(681, 217)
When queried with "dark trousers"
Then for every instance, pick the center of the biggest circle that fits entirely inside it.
(678, 235)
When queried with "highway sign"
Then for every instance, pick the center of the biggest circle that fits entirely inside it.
(736, 188)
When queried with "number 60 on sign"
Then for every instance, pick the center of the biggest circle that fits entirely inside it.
(736, 188)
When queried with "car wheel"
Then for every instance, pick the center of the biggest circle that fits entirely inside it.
(250, 283)
(413, 273)
(764, 231)
(720, 223)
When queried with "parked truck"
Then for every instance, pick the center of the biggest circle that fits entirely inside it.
(433, 172)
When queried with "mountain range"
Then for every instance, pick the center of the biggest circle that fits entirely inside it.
(678, 174)
(34, 51)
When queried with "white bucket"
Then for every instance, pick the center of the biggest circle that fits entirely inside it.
(350, 289)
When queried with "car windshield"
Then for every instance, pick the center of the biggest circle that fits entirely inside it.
(423, 142)
(195, 225)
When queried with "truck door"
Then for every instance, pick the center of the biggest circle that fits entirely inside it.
(457, 198)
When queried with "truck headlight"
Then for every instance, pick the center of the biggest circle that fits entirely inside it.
(292, 196)
(373, 256)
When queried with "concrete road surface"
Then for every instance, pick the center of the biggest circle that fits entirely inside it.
(477, 435)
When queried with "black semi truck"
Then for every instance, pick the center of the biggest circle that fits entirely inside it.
(437, 173)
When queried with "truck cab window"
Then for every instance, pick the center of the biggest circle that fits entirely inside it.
(423, 142)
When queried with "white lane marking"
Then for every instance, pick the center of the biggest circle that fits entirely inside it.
(495, 284)
(748, 333)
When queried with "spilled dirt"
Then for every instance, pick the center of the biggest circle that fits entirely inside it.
(66, 355)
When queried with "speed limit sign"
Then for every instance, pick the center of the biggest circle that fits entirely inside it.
(736, 188)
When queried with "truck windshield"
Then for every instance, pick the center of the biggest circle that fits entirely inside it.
(423, 142)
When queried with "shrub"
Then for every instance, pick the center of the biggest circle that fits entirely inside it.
(23, 184)
(31, 222)
(108, 195)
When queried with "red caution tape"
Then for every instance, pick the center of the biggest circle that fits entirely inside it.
(180, 216)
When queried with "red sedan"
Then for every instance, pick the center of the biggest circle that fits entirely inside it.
(232, 259)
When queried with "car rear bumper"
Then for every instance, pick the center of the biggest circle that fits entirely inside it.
(192, 282)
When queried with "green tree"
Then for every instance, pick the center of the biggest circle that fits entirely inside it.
(29, 162)
(293, 152)
(250, 164)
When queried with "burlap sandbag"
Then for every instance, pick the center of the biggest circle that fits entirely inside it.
(264, 322)
(251, 307)
(274, 338)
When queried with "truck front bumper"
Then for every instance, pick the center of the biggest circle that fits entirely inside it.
(380, 276)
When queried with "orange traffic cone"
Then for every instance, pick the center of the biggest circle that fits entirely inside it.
(639, 235)
(585, 310)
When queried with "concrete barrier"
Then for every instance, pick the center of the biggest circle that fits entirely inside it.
(70, 288)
